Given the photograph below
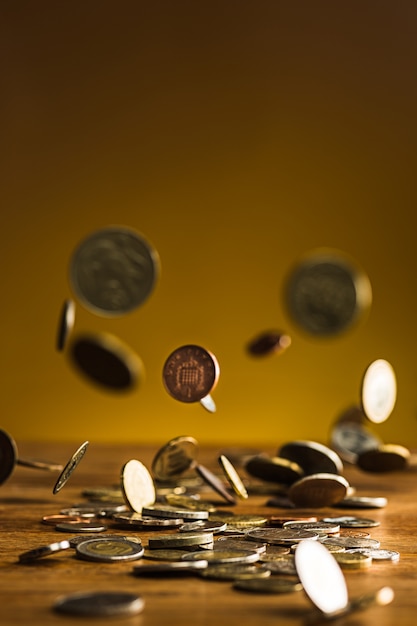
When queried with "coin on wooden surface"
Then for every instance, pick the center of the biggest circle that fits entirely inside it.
(8, 455)
(274, 469)
(108, 550)
(326, 292)
(113, 271)
(106, 361)
(174, 458)
(280, 536)
(70, 467)
(218, 557)
(216, 483)
(268, 585)
(190, 373)
(233, 477)
(349, 439)
(378, 391)
(65, 324)
(37, 553)
(353, 560)
(171, 568)
(137, 485)
(166, 510)
(387, 457)
(100, 603)
(267, 343)
(318, 490)
(181, 540)
(235, 571)
(313, 457)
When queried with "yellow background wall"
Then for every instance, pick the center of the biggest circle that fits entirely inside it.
(236, 136)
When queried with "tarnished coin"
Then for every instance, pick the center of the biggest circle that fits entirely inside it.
(235, 571)
(208, 403)
(172, 568)
(37, 553)
(165, 554)
(280, 536)
(321, 577)
(362, 502)
(70, 467)
(318, 490)
(109, 550)
(312, 457)
(285, 565)
(322, 528)
(227, 543)
(350, 439)
(203, 526)
(113, 271)
(66, 324)
(326, 293)
(240, 521)
(274, 469)
(100, 603)
(377, 554)
(191, 503)
(8, 455)
(136, 520)
(174, 458)
(59, 518)
(106, 361)
(350, 521)
(218, 557)
(386, 458)
(137, 486)
(267, 343)
(233, 477)
(352, 542)
(268, 585)
(181, 540)
(190, 373)
(353, 560)
(165, 510)
(214, 482)
(378, 391)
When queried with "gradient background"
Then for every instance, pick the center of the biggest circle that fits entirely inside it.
(236, 136)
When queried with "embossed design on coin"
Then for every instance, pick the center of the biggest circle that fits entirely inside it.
(379, 391)
(70, 467)
(326, 293)
(113, 270)
(190, 373)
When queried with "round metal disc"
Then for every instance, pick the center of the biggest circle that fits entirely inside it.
(174, 458)
(137, 485)
(379, 391)
(100, 603)
(8, 456)
(190, 373)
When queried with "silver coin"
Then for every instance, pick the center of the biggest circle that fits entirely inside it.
(208, 403)
(70, 467)
(174, 458)
(136, 520)
(37, 553)
(203, 526)
(280, 536)
(362, 502)
(108, 550)
(100, 603)
(349, 521)
(322, 528)
(326, 293)
(313, 457)
(66, 324)
(113, 271)
(81, 527)
(352, 542)
(165, 510)
(350, 439)
(378, 391)
(180, 540)
(227, 543)
(137, 486)
(77, 539)
(378, 554)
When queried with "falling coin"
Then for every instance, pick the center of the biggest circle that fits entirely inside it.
(267, 343)
(174, 458)
(66, 324)
(233, 477)
(386, 458)
(214, 482)
(137, 485)
(313, 457)
(70, 467)
(190, 373)
(318, 490)
(350, 439)
(378, 391)
(113, 271)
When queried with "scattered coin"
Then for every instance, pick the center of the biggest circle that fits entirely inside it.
(377, 554)
(113, 271)
(165, 554)
(280, 520)
(233, 477)
(353, 560)
(190, 503)
(165, 510)
(326, 293)
(174, 458)
(350, 439)
(214, 482)
(267, 343)
(136, 520)
(66, 324)
(312, 457)
(274, 469)
(378, 391)
(208, 403)
(172, 568)
(53, 520)
(318, 490)
(228, 543)
(181, 540)
(362, 502)
(269, 585)
(322, 528)
(321, 577)
(350, 521)
(190, 373)
(87, 526)
(241, 521)
(70, 467)
(137, 486)
(280, 536)
(284, 565)
(37, 553)
(109, 550)
(235, 571)
(386, 458)
(203, 526)
(218, 557)
(77, 539)
(100, 603)
(106, 361)
(352, 542)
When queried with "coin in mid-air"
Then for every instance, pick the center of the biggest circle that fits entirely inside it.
(70, 467)
(113, 271)
(190, 373)
(8, 455)
(326, 292)
(174, 458)
(313, 457)
(268, 343)
(106, 361)
(100, 603)
(349, 439)
(66, 324)
(137, 485)
(379, 391)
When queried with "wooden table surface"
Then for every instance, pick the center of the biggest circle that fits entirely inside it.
(28, 591)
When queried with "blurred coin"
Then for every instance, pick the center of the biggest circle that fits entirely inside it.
(137, 485)
(172, 568)
(226, 543)
(190, 373)
(326, 293)
(274, 469)
(174, 458)
(269, 585)
(37, 553)
(362, 502)
(285, 565)
(280, 536)
(350, 521)
(239, 455)
(165, 554)
(53, 520)
(70, 467)
(108, 550)
(218, 557)
(378, 391)
(312, 457)
(87, 526)
(321, 576)
(190, 503)
(8, 455)
(233, 477)
(241, 520)
(352, 542)
(49, 466)
(381, 597)
(235, 571)
(106, 361)
(66, 324)
(280, 520)
(208, 403)
(322, 528)
(214, 482)
(350, 439)
(273, 553)
(318, 490)
(113, 271)
(181, 540)
(136, 520)
(267, 343)
(75, 540)
(165, 510)
(203, 526)
(386, 458)
(100, 603)
(353, 560)
(377, 554)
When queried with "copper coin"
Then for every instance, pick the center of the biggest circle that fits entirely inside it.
(190, 373)
(318, 490)
(268, 342)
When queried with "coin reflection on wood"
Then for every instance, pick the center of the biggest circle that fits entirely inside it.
(190, 373)
(113, 270)
(267, 343)
(326, 293)
(106, 361)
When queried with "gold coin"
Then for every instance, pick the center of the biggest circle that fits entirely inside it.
(174, 458)
(137, 485)
(386, 458)
(233, 477)
(353, 560)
